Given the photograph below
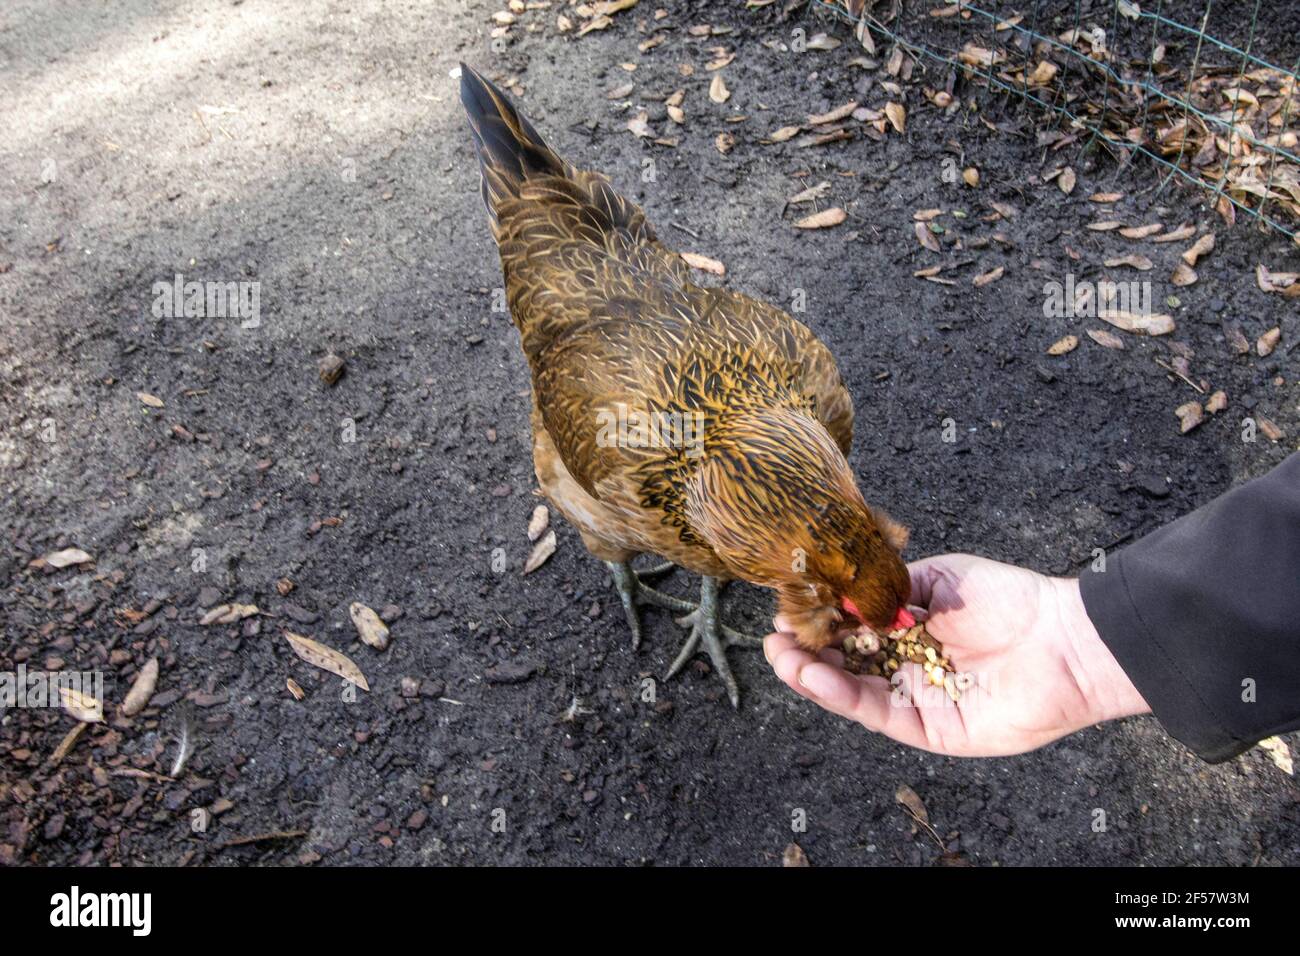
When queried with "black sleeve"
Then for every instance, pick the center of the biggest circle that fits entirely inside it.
(1204, 616)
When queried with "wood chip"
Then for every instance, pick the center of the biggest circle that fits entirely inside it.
(1216, 402)
(993, 275)
(784, 133)
(1183, 275)
(68, 742)
(153, 401)
(926, 238)
(925, 215)
(1277, 751)
(541, 552)
(326, 658)
(1061, 346)
(82, 706)
(228, 614)
(970, 176)
(1066, 180)
(66, 558)
(1105, 197)
(1106, 225)
(1267, 342)
(1270, 430)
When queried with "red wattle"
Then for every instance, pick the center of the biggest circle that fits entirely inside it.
(903, 618)
(851, 608)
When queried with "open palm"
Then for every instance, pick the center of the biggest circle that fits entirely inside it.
(1040, 671)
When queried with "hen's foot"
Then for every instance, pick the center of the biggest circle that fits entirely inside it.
(716, 637)
(634, 592)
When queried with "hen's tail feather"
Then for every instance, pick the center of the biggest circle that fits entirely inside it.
(509, 149)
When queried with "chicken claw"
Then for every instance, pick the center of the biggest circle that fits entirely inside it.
(634, 592)
(716, 637)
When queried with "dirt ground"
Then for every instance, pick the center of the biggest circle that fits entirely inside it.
(323, 154)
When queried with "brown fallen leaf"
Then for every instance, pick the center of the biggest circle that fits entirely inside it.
(1133, 261)
(141, 689)
(66, 558)
(1267, 342)
(1183, 275)
(784, 133)
(82, 706)
(1269, 428)
(228, 614)
(153, 401)
(1106, 339)
(834, 115)
(1189, 416)
(1105, 197)
(677, 115)
(926, 238)
(1066, 180)
(326, 658)
(68, 742)
(1141, 232)
(1005, 210)
(1236, 339)
(1185, 231)
(372, 630)
(1202, 246)
(295, 688)
(1216, 402)
(1061, 346)
(723, 142)
(1106, 225)
(639, 126)
(620, 92)
(823, 220)
(925, 215)
(539, 522)
(718, 91)
(703, 263)
(794, 856)
(906, 796)
(897, 115)
(541, 552)
(970, 176)
(810, 194)
(1155, 324)
(993, 275)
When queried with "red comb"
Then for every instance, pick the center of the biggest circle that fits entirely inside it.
(903, 618)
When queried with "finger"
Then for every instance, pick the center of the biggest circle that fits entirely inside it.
(775, 644)
(787, 665)
(782, 624)
(864, 699)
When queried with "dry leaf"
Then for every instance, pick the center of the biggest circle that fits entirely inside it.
(703, 263)
(1183, 274)
(82, 706)
(1141, 232)
(542, 550)
(1189, 416)
(926, 238)
(66, 557)
(1277, 751)
(373, 631)
(784, 133)
(68, 742)
(1061, 346)
(1267, 342)
(925, 215)
(1270, 430)
(538, 522)
(142, 689)
(153, 401)
(1185, 231)
(620, 92)
(834, 115)
(723, 142)
(909, 799)
(993, 275)
(1155, 324)
(1105, 226)
(1106, 339)
(1105, 197)
(677, 115)
(228, 613)
(971, 176)
(1134, 261)
(823, 220)
(326, 658)
(718, 91)
(1216, 402)
(639, 126)
(794, 856)
(1202, 246)
(1066, 180)
(896, 114)
(295, 688)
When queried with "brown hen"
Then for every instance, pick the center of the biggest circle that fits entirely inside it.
(693, 423)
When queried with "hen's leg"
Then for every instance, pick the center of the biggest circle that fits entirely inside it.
(716, 637)
(634, 592)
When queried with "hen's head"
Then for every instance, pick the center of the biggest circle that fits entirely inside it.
(779, 505)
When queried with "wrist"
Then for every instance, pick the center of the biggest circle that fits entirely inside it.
(1102, 682)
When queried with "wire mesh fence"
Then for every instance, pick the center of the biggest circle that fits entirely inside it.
(1133, 79)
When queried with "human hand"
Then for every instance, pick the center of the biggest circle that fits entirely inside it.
(1041, 671)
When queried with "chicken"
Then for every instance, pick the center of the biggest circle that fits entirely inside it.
(692, 423)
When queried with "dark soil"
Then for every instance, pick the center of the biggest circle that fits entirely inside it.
(336, 170)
